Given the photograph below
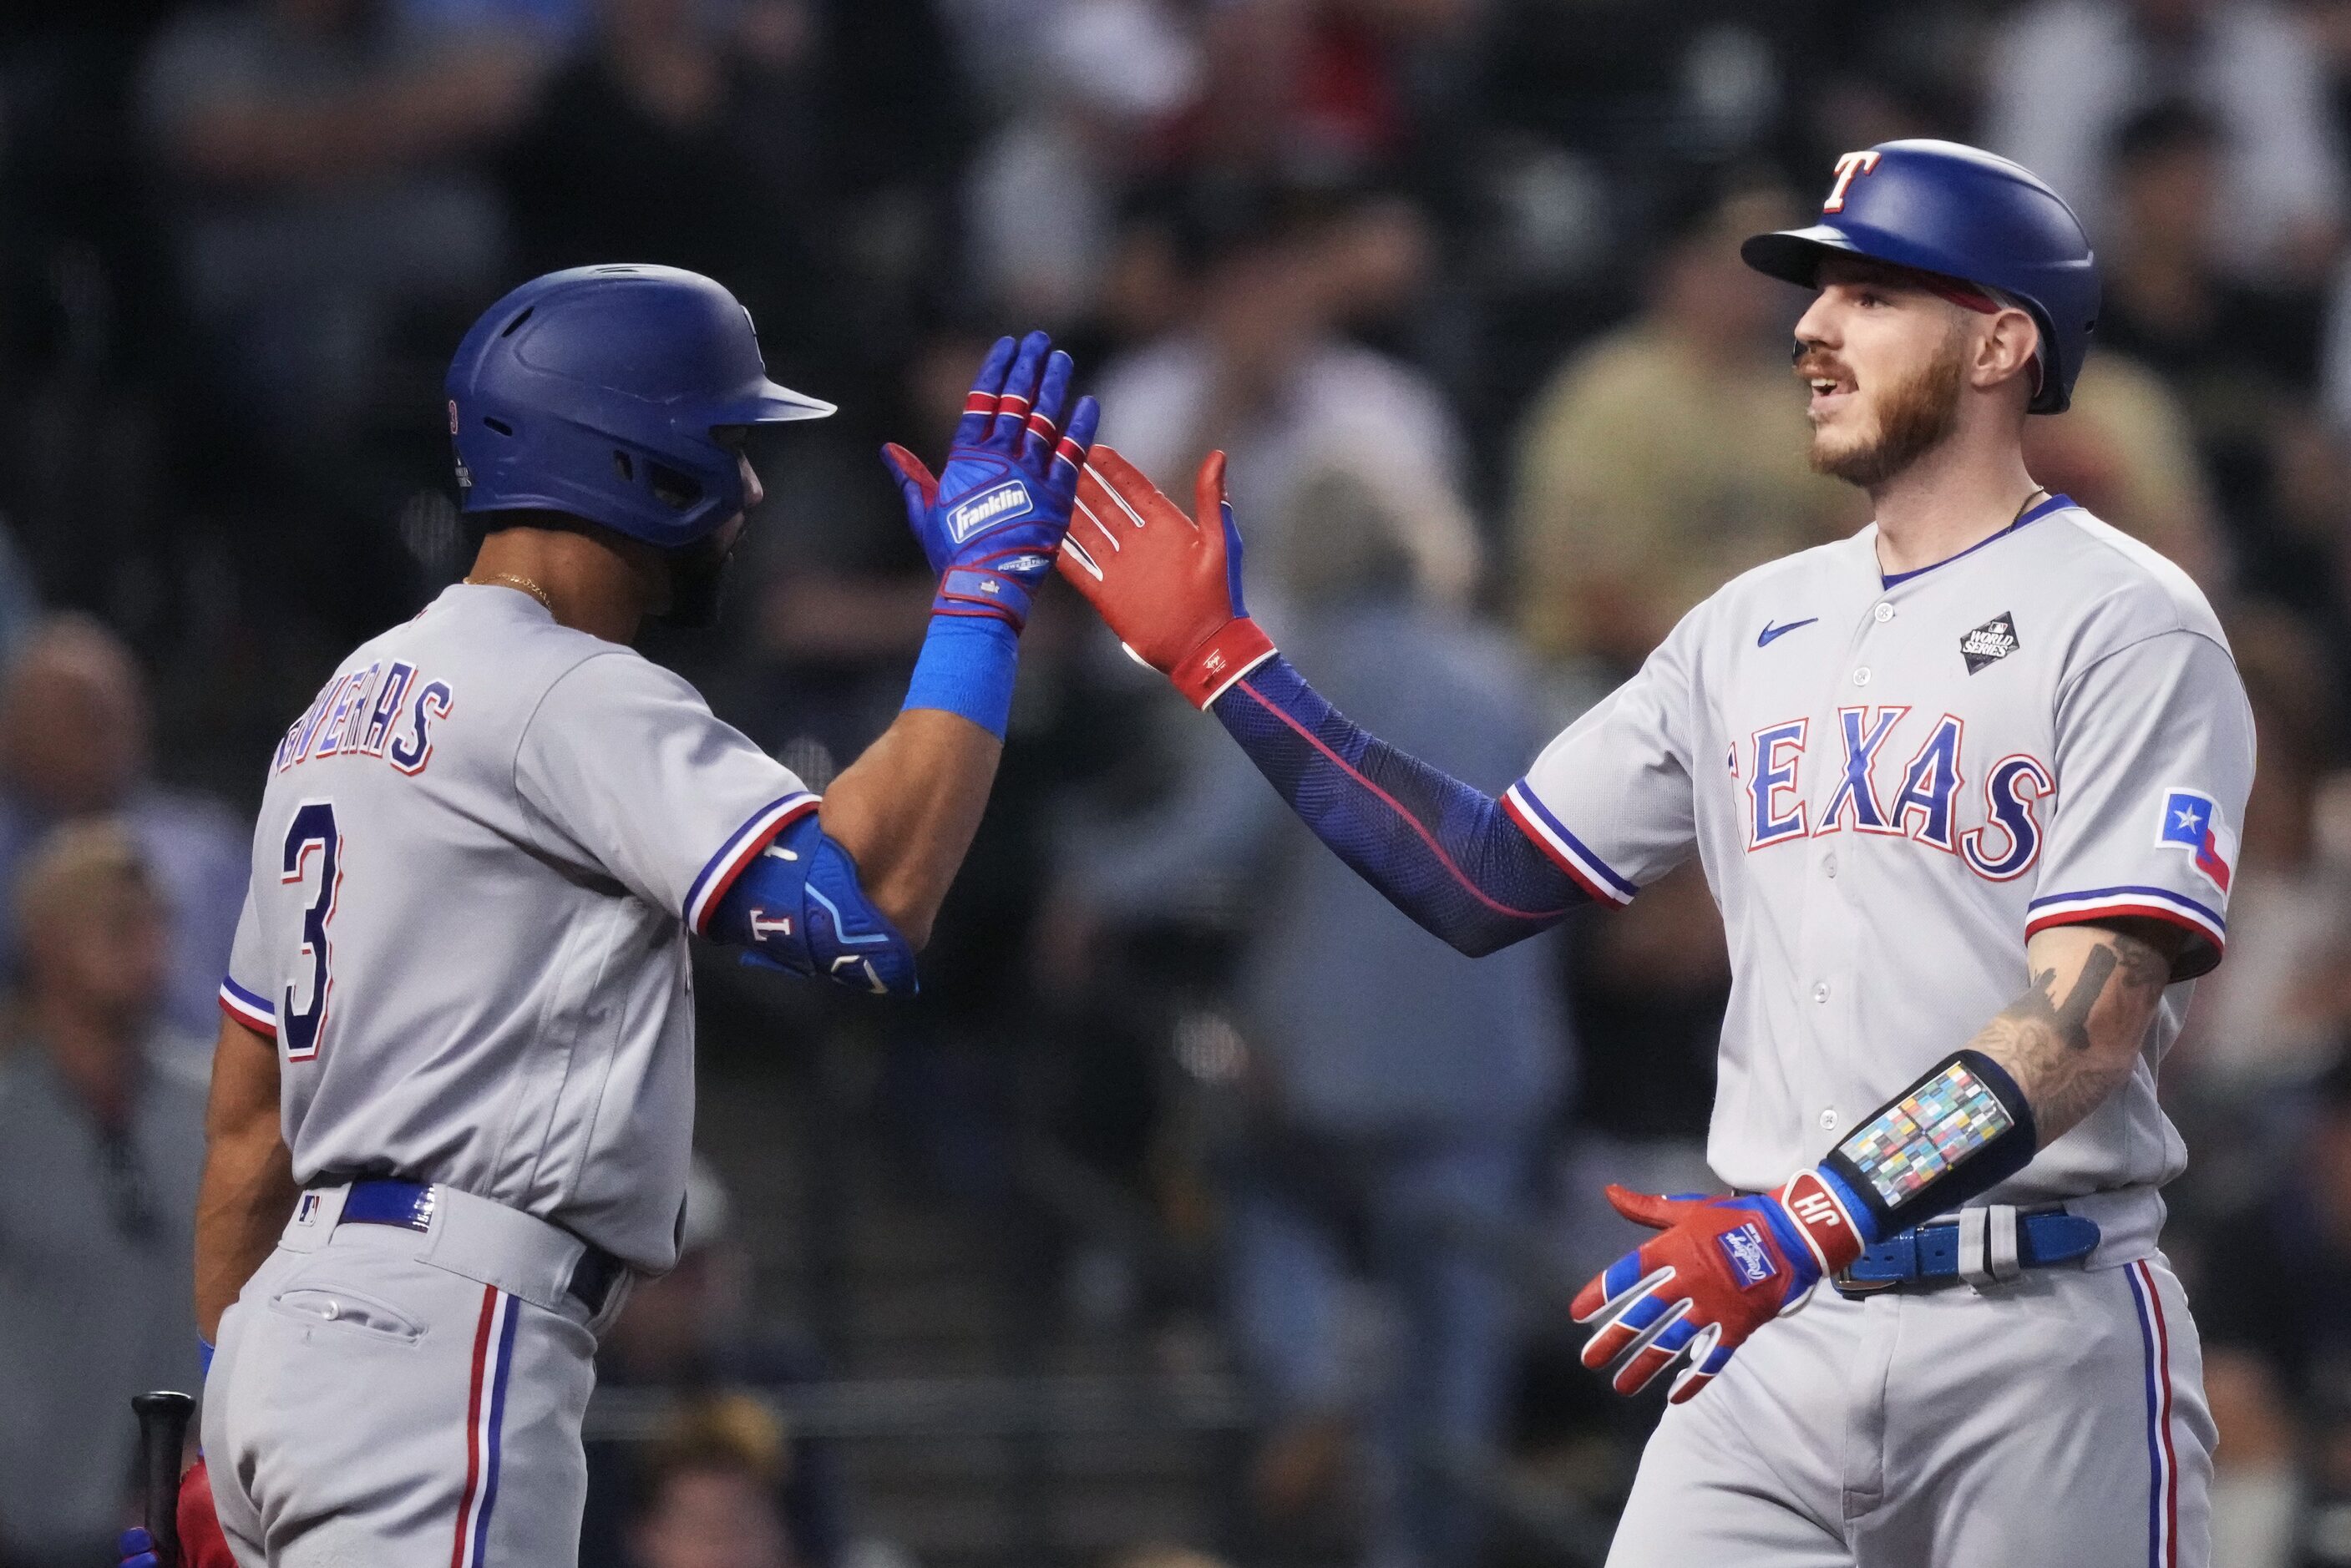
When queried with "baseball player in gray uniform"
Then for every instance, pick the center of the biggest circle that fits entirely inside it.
(453, 1098)
(1966, 787)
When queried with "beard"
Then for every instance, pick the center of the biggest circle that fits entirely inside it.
(1915, 416)
(697, 582)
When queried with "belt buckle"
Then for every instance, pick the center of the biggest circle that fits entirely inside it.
(1854, 1290)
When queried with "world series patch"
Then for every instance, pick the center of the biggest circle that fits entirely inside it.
(1993, 641)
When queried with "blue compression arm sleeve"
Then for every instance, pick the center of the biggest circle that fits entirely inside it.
(966, 667)
(1445, 854)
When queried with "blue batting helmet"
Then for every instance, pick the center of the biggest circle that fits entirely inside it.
(595, 391)
(1940, 207)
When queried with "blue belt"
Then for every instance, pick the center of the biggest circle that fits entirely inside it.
(410, 1204)
(1927, 1255)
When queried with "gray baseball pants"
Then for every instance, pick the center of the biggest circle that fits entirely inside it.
(386, 1399)
(2057, 1418)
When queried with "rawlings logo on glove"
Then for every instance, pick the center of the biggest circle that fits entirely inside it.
(1722, 1269)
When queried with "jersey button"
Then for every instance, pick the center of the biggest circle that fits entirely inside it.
(1829, 1119)
(1861, 676)
(1883, 613)
(1828, 863)
(1821, 991)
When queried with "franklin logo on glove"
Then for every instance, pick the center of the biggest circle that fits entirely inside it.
(975, 514)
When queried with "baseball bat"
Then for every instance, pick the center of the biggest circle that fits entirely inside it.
(162, 1433)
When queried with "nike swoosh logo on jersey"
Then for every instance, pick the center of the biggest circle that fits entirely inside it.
(1763, 639)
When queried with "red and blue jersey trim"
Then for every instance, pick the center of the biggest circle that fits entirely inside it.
(741, 847)
(2162, 1455)
(1568, 852)
(2092, 905)
(253, 1012)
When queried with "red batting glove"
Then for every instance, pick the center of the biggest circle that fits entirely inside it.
(1171, 590)
(1723, 1268)
(202, 1545)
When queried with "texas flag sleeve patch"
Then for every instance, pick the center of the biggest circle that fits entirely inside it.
(2192, 823)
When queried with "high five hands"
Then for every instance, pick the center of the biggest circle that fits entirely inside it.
(1168, 587)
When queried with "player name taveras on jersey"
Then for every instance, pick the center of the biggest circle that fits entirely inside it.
(386, 710)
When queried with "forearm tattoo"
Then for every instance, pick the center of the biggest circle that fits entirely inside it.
(2047, 1044)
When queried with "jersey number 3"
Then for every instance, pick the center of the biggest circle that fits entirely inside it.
(312, 836)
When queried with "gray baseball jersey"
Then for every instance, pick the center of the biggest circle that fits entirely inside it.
(478, 858)
(1892, 781)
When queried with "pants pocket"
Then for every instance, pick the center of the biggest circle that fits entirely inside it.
(347, 1311)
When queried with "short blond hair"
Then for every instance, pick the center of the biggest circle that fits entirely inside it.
(730, 1431)
(72, 868)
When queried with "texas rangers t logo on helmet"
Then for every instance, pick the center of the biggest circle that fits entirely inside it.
(1847, 165)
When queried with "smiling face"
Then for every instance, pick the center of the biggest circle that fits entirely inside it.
(1889, 362)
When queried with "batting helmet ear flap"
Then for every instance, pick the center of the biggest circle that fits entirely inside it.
(600, 392)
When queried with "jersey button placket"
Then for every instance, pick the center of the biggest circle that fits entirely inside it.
(1832, 927)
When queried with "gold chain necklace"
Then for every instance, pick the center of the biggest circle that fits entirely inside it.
(508, 579)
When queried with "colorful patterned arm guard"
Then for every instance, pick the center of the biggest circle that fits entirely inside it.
(1955, 1133)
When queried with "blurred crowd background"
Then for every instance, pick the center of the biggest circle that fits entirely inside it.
(1201, 1212)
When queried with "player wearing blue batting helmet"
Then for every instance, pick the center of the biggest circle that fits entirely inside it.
(1964, 215)
(617, 395)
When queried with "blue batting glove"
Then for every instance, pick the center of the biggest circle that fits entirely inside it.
(138, 1548)
(991, 522)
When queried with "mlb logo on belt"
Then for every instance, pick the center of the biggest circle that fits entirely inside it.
(1749, 1260)
(2192, 822)
(306, 1210)
(986, 508)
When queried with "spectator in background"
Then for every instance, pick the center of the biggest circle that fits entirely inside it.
(2271, 1023)
(75, 742)
(2268, 1305)
(1398, 1091)
(2064, 74)
(694, 136)
(1043, 196)
(1259, 370)
(2241, 361)
(1668, 456)
(557, 23)
(1321, 91)
(2126, 450)
(318, 155)
(706, 1493)
(689, 1334)
(101, 1138)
